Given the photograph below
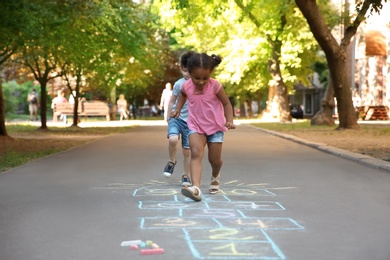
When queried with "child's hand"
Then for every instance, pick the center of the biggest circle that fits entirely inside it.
(230, 125)
(174, 114)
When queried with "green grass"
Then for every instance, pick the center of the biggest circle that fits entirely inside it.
(13, 159)
(374, 129)
(34, 130)
(18, 151)
(286, 127)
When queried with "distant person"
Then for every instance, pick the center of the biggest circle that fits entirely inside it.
(33, 105)
(210, 115)
(72, 97)
(357, 102)
(60, 98)
(178, 128)
(165, 97)
(122, 107)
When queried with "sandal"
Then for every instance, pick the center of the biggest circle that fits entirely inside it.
(214, 184)
(190, 193)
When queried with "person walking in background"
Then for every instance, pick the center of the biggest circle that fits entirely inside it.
(122, 107)
(178, 127)
(165, 97)
(210, 115)
(33, 105)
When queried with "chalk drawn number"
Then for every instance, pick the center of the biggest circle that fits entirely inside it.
(228, 234)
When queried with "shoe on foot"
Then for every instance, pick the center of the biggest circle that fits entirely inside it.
(214, 184)
(192, 192)
(185, 180)
(168, 170)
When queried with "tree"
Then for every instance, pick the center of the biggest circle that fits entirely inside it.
(39, 52)
(10, 11)
(263, 43)
(336, 53)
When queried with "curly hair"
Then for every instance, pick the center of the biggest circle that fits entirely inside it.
(192, 60)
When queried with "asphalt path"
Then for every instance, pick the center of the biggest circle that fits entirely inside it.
(279, 200)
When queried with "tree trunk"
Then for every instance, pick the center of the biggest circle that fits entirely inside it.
(250, 110)
(242, 109)
(336, 57)
(324, 116)
(76, 108)
(346, 111)
(76, 101)
(281, 95)
(3, 129)
(43, 82)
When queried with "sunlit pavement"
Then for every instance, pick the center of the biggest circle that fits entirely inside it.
(363, 159)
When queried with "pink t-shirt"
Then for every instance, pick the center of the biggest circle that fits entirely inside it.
(206, 114)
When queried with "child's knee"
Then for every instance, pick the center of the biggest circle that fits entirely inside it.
(173, 139)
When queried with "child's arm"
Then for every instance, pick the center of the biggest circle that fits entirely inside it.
(171, 103)
(227, 107)
(180, 103)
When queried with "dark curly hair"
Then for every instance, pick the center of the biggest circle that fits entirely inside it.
(185, 57)
(193, 60)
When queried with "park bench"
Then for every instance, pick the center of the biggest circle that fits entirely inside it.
(85, 109)
(95, 108)
(374, 112)
(65, 108)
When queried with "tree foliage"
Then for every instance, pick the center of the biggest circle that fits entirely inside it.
(94, 46)
(244, 33)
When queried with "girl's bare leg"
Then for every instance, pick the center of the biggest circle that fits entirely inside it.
(197, 144)
(172, 143)
(215, 157)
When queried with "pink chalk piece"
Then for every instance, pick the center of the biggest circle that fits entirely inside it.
(134, 247)
(154, 251)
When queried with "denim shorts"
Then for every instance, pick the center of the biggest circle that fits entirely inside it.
(214, 138)
(177, 126)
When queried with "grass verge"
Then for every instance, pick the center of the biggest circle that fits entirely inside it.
(371, 139)
(27, 143)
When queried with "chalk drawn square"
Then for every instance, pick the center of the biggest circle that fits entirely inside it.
(177, 222)
(225, 234)
(245, 191)
(261, 223)
(157, 191)
(168, 204)
(212, 213)
(246, 205)
(225, 243)
(235, 250)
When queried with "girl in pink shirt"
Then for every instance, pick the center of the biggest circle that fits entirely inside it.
(210, 115)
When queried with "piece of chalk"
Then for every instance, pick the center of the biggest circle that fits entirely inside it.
(154, 251)
(154, 245)
(132, 242)
(149, 242)
(134, 247)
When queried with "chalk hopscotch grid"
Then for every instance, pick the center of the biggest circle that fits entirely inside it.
(180, 215)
